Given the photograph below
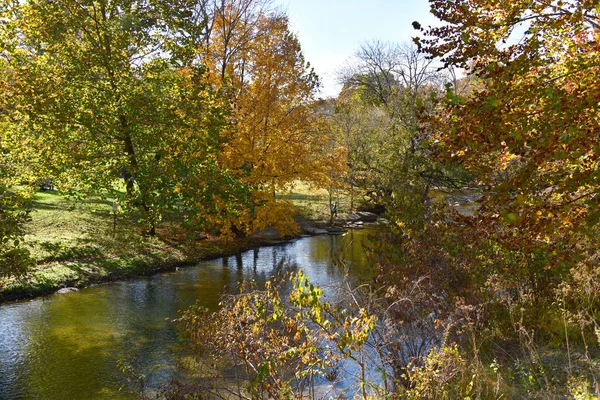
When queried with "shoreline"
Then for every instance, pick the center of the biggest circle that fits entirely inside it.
(79, 274)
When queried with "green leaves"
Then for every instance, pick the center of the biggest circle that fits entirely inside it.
(511, 218)
(95, 96)
(14, 213)
(493, 102)
(593, 218)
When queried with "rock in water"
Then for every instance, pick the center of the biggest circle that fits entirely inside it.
(363, 216)
(67, 290)
(315, 231)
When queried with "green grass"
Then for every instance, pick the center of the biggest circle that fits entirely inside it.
(313, 203)
(77, 243)
(62, 229)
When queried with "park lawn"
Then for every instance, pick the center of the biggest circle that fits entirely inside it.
(62, 229)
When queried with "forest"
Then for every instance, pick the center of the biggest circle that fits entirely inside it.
(139, 136)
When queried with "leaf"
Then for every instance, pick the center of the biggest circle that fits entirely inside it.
(593, 218)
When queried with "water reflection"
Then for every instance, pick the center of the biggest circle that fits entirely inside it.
(68, 346)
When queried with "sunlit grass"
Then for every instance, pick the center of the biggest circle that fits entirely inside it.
(313, 203)
(77, 242)
(63, 229)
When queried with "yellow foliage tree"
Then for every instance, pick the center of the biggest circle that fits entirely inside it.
(276, 138)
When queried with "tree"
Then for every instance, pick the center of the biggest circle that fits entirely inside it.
(14, 258)
(14, 213)
(530, 134)
(275, 139)
(106, 90)
(387, 87)
(334, 154)
(362, 128)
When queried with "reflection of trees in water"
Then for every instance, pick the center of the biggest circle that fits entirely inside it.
(70, 343)
(255, 254)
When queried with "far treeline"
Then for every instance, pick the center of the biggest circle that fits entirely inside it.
(208, 109)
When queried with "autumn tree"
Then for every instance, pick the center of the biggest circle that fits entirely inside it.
(99, 91)
(334, 155)
(386, 88)
(15, 259)
(275, 140)
(531, 134)
(528, 258)
(362, 129)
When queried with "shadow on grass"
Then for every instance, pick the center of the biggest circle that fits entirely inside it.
(37, 205)
(61, 252)
(77, 243)
(49, 200)
(49, 192)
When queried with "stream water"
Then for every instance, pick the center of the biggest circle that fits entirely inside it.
(68, 346)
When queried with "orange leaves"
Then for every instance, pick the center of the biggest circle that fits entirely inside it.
(276, 214)
(531, 135)
(273, 141)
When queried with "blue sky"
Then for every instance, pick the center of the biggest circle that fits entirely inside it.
(330, 31)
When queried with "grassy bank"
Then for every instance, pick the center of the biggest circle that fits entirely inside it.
(314, 203)
(76, 244)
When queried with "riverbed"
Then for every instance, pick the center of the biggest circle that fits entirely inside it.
(69, 346)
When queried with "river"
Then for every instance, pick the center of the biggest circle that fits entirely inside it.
(68, 346)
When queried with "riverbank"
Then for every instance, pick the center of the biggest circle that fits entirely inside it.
(78, 244)
(156, 256)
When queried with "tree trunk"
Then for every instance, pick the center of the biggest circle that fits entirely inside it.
(330, 205)
(130, 177)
